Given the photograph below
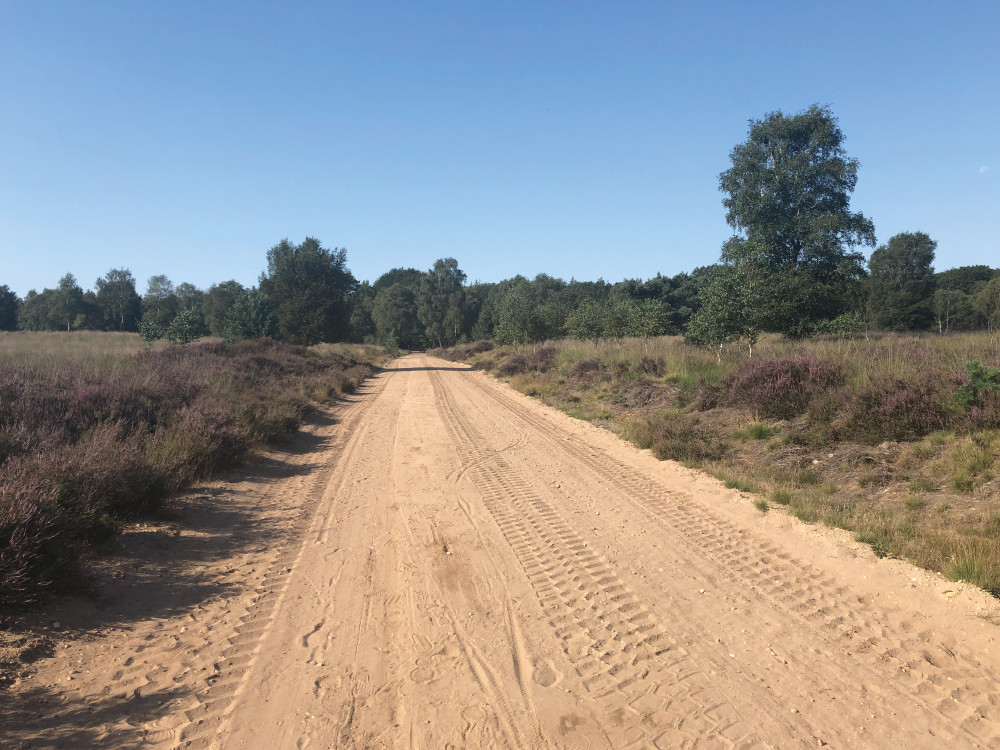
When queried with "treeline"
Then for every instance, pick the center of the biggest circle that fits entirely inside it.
(309, 295)
(791, 267)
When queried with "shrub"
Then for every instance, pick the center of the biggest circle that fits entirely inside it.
(516, 364)
(649, 366)
(781, 387)
(31, 557)
(708, 397)
(481, 346)
(586, 368)
(977, 382)
(83, 449)
(622, 369)
(681, 439)
(543, 358)
(985, 415)
(897, 409)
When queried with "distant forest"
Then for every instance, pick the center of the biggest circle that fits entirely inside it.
(791, 267)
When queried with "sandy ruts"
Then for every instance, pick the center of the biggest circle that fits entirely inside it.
(458, 566)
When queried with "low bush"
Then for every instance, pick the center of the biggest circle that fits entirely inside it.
(898, 409)
(481, 346)
(516, 364)
(543, 358)
(84, 448)
(681, 439)
(30, 561)
(586, 368)
(781, 387)
(655, 367)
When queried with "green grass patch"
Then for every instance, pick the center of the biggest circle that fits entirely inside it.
(782, 497)
(978, 566)
(733, 482)
(803, 510)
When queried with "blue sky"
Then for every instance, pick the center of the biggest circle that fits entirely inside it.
(581, 139)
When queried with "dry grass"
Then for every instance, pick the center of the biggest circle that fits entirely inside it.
(48, 351)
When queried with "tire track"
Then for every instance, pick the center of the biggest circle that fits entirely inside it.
(624, 657)
(970, 703)
(208, 716)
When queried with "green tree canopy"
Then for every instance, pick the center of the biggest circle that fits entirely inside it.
(394, 313)
(218, 301)
(9, 305)
(516, 318)
(408, 277)
(159, 304)
(250, 317)
(118, 300)
(986, 304)
(66, 303)
(953, 310)
(733, 300)
(787, 196)
(967, 279)
(901, 283)
(362, 325)
(309, 289)
(441, 302)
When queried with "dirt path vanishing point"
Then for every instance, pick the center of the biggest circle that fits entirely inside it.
(451, 564)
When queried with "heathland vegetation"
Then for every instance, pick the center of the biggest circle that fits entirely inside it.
(791, 340)
(95, 430)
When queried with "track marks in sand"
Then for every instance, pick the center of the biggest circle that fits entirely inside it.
(648, 686)
(948, 681)
(233, 634)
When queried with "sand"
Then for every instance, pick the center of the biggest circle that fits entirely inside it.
(442, 562)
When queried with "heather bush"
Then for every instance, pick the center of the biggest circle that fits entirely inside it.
(481, 346)
(516, 364)
(84, 448)
(682, 439)
(708, 396)
(622, 369)
(780, 388)
(586, 368)
(30, 561)
(543, 357)
(655, 367)
(897, 409)
(984, 416)
(100, 480)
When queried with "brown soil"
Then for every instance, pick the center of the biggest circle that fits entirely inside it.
(442, 562)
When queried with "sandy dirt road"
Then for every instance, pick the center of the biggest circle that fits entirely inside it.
(454, 565)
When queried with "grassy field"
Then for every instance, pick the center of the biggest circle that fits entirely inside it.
(894, 438)
(95, 429)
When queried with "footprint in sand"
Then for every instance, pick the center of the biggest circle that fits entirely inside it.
(422, 675)
(545, 675)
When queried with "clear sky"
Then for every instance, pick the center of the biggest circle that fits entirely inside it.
(578, 138)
